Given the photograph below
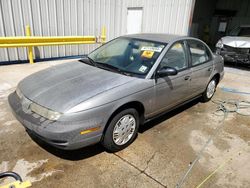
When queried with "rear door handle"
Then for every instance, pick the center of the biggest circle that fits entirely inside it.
(209, 69)
(186, 77)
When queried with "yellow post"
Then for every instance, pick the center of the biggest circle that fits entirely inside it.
(103, 34)
(30, 50)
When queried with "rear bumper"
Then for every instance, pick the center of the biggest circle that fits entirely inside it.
(61, 134)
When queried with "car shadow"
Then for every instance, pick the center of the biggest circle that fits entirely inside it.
(72, 155)
(90, 151)
(165, 116)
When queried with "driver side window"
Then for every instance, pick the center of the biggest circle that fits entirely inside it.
(175, 57)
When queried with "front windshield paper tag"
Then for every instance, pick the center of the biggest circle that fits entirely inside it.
(143, 68)
(151, 48)
(147, 54)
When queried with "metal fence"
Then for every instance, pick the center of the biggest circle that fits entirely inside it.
(34, 41)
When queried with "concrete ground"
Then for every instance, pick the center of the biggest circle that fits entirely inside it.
(158, 158)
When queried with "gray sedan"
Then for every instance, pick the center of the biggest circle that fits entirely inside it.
(105, 96)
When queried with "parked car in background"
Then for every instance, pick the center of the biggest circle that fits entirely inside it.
(105, 96)
(235, 47)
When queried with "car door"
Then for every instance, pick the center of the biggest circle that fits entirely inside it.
(172, 90)
(201, 66)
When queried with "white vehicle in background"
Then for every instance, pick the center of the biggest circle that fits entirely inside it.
(235, 47)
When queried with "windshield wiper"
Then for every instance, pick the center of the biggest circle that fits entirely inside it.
(106, 66)
(88, 60)
(113, 68)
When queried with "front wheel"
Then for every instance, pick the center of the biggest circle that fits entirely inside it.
(210, 90)
(122, 130)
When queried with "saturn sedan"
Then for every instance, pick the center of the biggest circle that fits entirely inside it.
(105, 96)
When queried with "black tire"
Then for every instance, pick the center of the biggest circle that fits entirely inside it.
(108, 141)
(205, 97)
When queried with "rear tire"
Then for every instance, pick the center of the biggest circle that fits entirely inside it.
(122, 130)
(210, 90)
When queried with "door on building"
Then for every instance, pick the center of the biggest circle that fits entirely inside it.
(134, 20)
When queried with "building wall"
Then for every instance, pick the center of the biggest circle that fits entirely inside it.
(85, 17)
(203, 13)
(242, 7)
(242, 17)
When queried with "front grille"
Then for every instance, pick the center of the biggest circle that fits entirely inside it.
(236, 50)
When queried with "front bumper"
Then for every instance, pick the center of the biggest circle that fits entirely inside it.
(236, 57)
(63, 134)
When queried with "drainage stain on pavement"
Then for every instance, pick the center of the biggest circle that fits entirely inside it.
(159, 156)
(26, 168)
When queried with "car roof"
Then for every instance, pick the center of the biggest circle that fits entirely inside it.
(157, 37)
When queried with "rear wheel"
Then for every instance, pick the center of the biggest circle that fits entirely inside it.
(210, 90)
(122, 130)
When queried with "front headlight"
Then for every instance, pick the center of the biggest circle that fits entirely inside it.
(38, 109)
(219, 44)
(44, 112)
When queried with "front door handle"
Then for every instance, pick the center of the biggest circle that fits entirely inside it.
(186, 77)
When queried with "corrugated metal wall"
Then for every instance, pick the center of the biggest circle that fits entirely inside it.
(85, 17)
(243, 11)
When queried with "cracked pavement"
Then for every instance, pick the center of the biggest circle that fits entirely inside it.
(158, 158)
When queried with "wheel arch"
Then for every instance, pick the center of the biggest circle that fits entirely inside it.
(138, 106)
(217, 77)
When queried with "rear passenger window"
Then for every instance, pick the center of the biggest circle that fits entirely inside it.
(199, 52)
(175, 57)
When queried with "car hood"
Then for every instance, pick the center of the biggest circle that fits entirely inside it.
(236, 42)
(61, 87)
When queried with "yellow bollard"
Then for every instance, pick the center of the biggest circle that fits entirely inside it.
(103, 34)
(30, 50)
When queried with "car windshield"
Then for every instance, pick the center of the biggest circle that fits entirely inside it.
(128, 55)
(240, 31)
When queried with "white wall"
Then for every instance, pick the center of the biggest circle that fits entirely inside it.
(85, 17)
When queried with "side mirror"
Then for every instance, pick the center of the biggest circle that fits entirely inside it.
(166, 71)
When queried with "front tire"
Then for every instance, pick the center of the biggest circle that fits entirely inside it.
(122, 130)
(210, 90)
